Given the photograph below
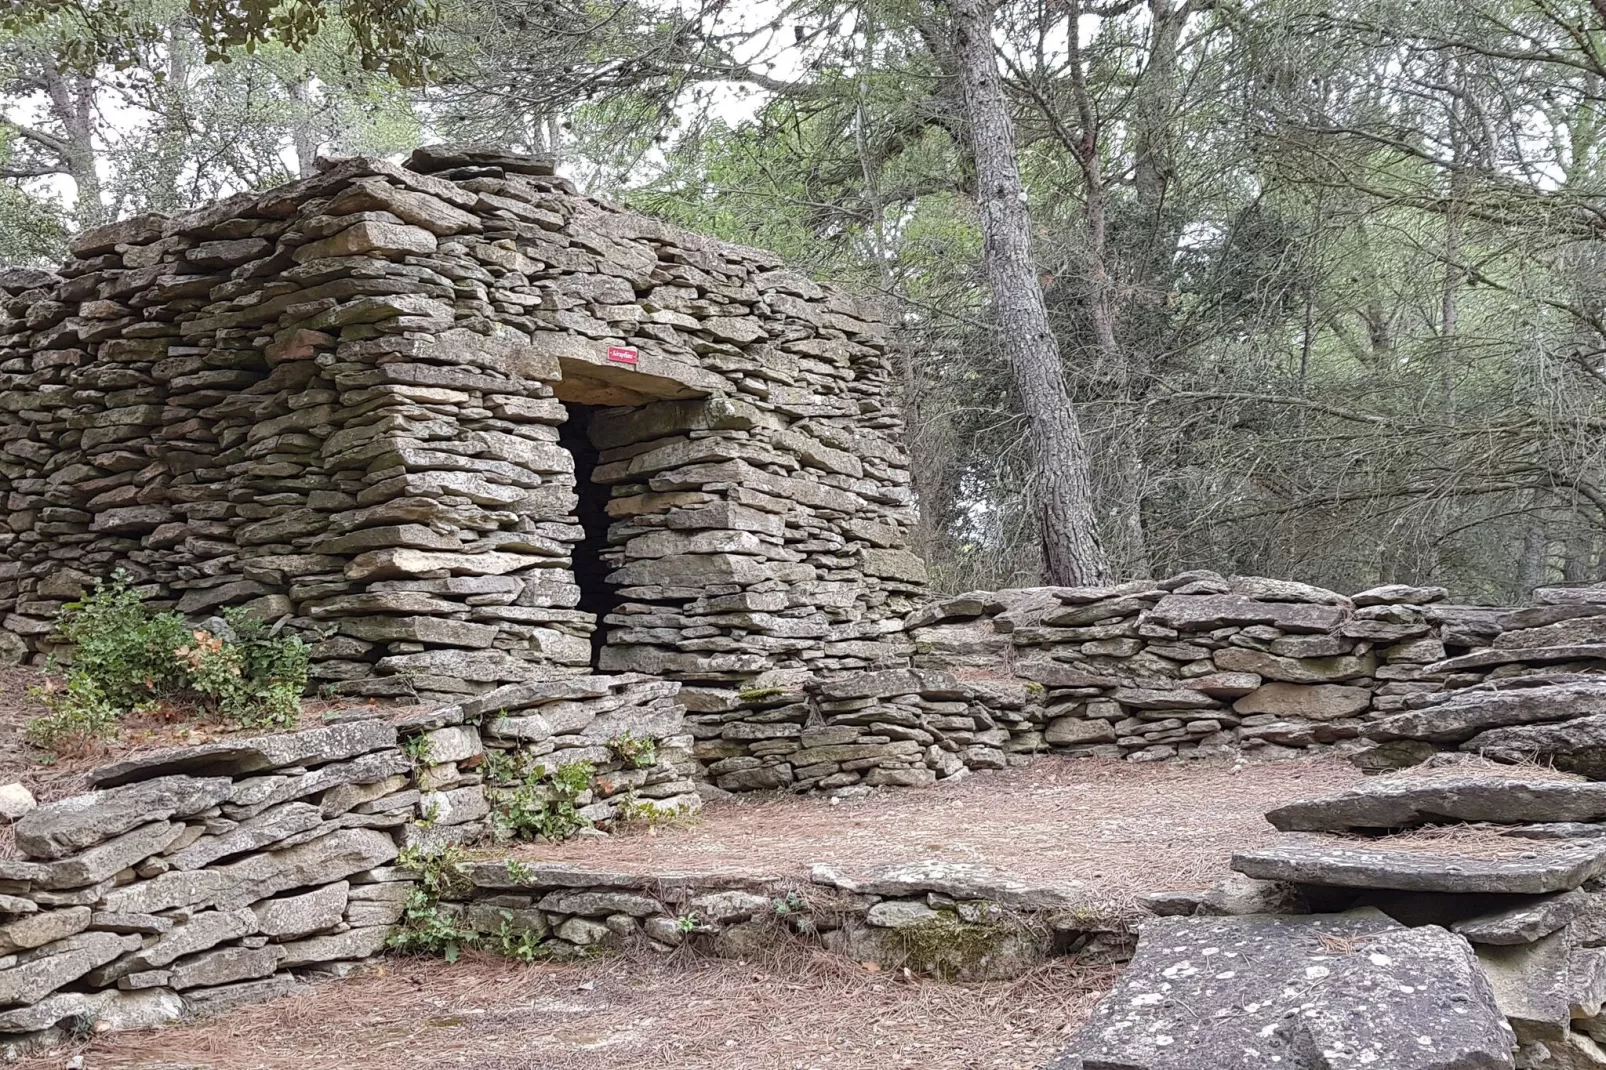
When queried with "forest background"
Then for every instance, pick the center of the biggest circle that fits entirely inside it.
(1327, 281)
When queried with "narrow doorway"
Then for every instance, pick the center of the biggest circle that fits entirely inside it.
(597, 595)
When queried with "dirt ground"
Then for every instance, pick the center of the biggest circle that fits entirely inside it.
(809, 1012)
(1119, 828)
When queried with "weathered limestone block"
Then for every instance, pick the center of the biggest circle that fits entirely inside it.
(352, 944)
(224, 966)
(1466, 713)
(106, 859)
(1236, 994)
(42, 928)
(44, 969)
(1560, 868)
(1315, 702)
(58, 829)
(1403, 801)
(298, 915)
(314, 746)
(1295, 670)
(322, 861)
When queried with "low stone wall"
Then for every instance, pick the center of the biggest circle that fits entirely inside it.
(205, 876)
(199, 877)
(629, 729)
(950, 920)
(1200, 664)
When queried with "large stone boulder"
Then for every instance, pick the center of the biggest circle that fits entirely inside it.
(1317, 992)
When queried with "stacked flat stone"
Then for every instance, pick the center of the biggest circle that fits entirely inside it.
(553, 724)
(1535, 914)
(334, 403)
(201, 877)
(959, 921)
(1197, 664)
(852, 731)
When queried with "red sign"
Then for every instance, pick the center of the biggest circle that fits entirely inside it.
(622, 354)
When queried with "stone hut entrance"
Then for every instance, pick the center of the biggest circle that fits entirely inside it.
(598, 596)
(615, 393)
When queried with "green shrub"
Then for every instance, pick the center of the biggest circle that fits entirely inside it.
(119, 644)
(127, 658)
(79, 715)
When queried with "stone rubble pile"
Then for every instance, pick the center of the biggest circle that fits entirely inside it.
(1369, 934)
(340, 403)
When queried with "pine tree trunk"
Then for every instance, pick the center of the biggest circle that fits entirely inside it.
(1071, 551)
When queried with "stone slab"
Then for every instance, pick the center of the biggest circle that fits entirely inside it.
(958, 880)
(1474, 710)
(1318, 992)
(1310, 861)
(1406, 801)
(314, 746)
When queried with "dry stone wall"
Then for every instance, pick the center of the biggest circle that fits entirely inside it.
(339, 404)
(1200, 664)
(203, 877)
(196, 878)
(954, 921)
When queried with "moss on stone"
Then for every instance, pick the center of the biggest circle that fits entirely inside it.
(946, 946)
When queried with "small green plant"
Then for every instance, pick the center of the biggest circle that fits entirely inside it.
(127, 658)
(429, 927)
(80, 714)
(792, 903)
(634, 811)
(521, 945)
(431, 814)
(518, 872)
(759, 694)
(503, 766)
(426, 927)
(572, 778)
(688, 923)
(418, 748)
(638, 752)
(526, 803)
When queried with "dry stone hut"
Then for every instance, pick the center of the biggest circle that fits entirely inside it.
(466, 427)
